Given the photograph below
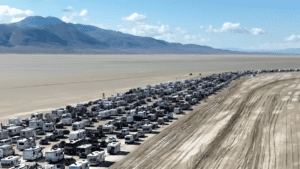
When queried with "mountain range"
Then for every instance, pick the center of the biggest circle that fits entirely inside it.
(36, 34)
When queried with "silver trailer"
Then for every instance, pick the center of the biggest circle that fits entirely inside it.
(76, 135)
(96, 158)
(48, 127)
(14, 130)
(114, 148)
(10, 161)
(84, 150)
(36, 124)
(26, 133)
(33, 153)
(37, 116)
(3, 134)
(6, 150)
(55, 155)
(25, 143)
(78, 125)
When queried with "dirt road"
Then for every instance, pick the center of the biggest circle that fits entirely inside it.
(251, 124)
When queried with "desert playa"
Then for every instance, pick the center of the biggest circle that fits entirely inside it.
(31, 83)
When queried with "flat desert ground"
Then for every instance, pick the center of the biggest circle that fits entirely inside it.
(251, 124)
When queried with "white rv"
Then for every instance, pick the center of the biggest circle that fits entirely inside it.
(113, 148)
(78, 125)
(15, 120)
(10, 161)
(14, 130)
(96, 158)
(54, 155)
(37, 116)
(113, 112)
(67, 121)
(147, 128)
(25, 143)
(26, 133)
(15, 139)
(108, 129)
(3, 134)
(75, 135)
(48, 127)
(80, 165)
(5, 142)
(6, 150)
(33, 153)
(84, 150)
(36, 124)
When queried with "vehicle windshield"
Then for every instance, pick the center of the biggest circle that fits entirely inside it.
(127, 138)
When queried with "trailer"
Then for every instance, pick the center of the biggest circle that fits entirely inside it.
(113, 148)
(15, 121)
(48, 127)
(71, 146)
(37, 116)
(84, 150)
(78, 134)
(14, 130)
(54, 156)
(108, 129)
(25, 143)
(6, 150)
(36, 124)
(131, 138)
(15, 139)
(26, 133)
(96, 158)
(78, 125)
(152, 117)
(147, 128)
(33, 153)
(5, 142)
(59, 133)
(67, 121)
(123, 133)
(80, 165)
(3, 134)
(10, 161)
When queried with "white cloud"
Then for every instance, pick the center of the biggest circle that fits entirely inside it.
(70, 18)
(235, 28)
(69, 9)
(293, 38)
(83, 13)
(180, 30)
(194, 39)
(10, 15)
(135, 17)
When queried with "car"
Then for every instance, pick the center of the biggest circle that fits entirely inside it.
(44, 142)
(40, 132)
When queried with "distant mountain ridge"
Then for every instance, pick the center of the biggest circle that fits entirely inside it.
(37, 33)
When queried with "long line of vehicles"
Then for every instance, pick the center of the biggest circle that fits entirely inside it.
(131, 114)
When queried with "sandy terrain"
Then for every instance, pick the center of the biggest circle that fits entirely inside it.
(30, 83)
(252, 124)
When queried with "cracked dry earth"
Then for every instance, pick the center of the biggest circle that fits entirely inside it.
(254, 123)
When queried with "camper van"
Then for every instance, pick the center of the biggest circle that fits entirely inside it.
(84, 150)
(15, 139)
(36, 124)
(3, 134)
(6, 150)
(75, 135)
(14, 130)
(26, 133)
(15, 120)
(10, 161)
(96, 158)
(113, 148)
(33, 153)
(78, 125)
(25, 143)
(54, 155)
(48, 127)
(67, 121)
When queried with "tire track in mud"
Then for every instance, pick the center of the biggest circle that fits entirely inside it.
(164, 149)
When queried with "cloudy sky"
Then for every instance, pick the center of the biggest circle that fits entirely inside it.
(252, 24)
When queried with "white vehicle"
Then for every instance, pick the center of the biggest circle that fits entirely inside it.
(113, 112)
(130, 113)
(59, 133)
(96, 158)
(26, 133)
(54, 155)
(48, 127)
(84, 150)
(152, 117)
(147, 128)
(177, 110)
(5, 142)
(67, 115)
(36, 124)
(76, 135)
(170, 115)
(108, 128)
(86, 122)
(3, 134)
(78, 125)
(10, 161)
(142, 114)
(37, 116)
(48, 117)
(80, 165)
(67, 121)
(33, 153)
(6, 150)
(14, 130)
(103, 115)
(130, 119)
(25, 143)
(15, 139)
(130, 138)
(113, 148)
(15, 120)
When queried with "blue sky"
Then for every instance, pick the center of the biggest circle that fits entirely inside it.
(216, 23)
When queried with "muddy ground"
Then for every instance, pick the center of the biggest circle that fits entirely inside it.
(251, 124)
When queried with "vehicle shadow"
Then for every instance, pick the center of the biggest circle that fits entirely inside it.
(123, 153)
(106, 164)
